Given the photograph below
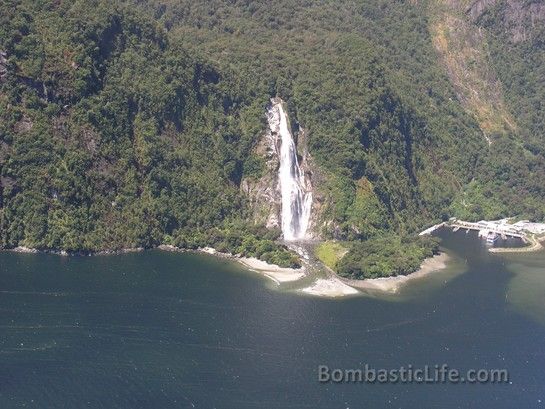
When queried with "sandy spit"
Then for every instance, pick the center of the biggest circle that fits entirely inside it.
(329, 287)
(393, 284)
(274, 272)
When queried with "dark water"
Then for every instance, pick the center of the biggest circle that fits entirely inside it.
(162, 330)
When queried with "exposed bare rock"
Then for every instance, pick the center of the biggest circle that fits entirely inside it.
(24, 125)
(4, 149)
(3, 65)
(6, 182)
(265, 193)
(312, 174)
(521, 17)
(478, 7)
(89, 138)
(463, 50)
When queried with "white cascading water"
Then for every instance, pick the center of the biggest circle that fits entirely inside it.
(296, 194)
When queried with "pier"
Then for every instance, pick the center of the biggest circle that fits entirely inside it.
(504, 230)
(528, 232)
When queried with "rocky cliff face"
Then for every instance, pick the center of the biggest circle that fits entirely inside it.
(3, 65)
(265, 193)
(465, 33)
(313, 174)
(463, 50)
(520, 17)
(478, 7)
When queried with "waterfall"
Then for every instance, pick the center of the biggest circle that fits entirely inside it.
(295, 190)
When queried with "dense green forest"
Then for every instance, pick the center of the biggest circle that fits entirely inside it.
(132, 124)
(386, 256)
(362, 78)
(114, 137)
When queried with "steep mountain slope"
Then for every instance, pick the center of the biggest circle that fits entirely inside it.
(362, 78)
(509, 39)
(516, 31)
(464, 52)
(135, 123)
(113, 137)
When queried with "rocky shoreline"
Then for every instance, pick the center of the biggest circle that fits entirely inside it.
(30, 250)
(332, 286)
(274, 272)
(536, 245)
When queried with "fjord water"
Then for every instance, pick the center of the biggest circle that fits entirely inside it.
(169, 330)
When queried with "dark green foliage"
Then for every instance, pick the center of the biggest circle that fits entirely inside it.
(520, 64)
(132, 123)
(513, 172)
(240, 239)
(362, 77)
(386, 256)
(112, 136)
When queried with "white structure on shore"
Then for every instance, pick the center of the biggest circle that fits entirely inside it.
(535, 228)
(431, 229)
(491, 229)
(487, 228)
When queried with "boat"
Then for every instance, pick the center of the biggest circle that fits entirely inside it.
(491, 237)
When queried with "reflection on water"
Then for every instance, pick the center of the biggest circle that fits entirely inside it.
(525, 292)
(526, 289)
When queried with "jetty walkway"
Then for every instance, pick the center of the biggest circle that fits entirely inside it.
(504, 230)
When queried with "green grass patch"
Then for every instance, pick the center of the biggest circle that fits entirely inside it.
(330, 252)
